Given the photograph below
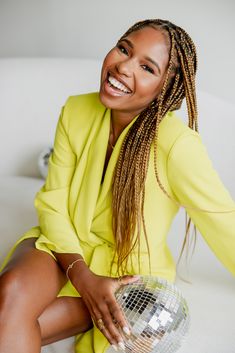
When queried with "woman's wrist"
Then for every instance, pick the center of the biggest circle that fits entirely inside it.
(71, 264)
(76, 270)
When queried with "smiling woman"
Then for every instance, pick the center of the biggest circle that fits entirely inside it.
(122, 165)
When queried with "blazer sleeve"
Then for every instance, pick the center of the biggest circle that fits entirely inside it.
(52, 201)
(196, 184)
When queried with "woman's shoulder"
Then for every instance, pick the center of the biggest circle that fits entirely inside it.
(172, 129)
(81, 117)
(80, 111)
(86, 102)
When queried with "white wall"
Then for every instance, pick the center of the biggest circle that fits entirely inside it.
(76, 28)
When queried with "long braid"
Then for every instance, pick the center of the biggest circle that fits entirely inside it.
(128, 189)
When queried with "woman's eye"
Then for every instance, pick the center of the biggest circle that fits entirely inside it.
(122, 49)
(147, 68)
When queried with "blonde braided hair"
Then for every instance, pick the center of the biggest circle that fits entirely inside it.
(128, 188)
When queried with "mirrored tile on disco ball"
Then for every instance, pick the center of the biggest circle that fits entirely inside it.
(157, 314)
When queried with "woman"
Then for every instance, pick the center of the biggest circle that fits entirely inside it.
(122, 165)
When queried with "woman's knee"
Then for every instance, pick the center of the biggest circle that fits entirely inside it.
(33, 271)
(29, 284)
(11, 291)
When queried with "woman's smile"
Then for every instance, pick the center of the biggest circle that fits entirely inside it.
(115, 86)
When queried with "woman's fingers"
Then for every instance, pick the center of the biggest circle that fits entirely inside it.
(111, 328)
(118, 316)
(102, 318)
(116, 343)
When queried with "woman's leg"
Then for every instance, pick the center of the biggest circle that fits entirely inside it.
(29, 285)
(65, 317)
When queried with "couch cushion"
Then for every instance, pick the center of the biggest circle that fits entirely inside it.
(17, 213)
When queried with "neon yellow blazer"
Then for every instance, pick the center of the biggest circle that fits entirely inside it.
(74, 206)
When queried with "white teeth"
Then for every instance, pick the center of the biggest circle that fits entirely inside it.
(118, 84)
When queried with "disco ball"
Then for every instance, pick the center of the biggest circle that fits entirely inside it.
(157, 314)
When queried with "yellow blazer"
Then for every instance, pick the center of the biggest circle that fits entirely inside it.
(74, 206)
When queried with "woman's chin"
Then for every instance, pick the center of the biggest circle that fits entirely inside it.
(112, 101)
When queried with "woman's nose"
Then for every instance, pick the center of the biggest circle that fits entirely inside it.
(125, 68)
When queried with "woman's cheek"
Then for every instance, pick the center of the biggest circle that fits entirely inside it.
(146, 83)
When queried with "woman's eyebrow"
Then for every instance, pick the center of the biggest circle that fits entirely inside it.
(146, 57)
(128, 42)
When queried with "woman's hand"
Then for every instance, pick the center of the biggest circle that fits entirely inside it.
(98, 295)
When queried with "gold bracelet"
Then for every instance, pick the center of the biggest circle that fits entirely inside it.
(71, 266)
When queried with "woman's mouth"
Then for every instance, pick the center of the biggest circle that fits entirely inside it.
(114, 87)
(117, 84)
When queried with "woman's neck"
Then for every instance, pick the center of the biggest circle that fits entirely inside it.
(119, 121)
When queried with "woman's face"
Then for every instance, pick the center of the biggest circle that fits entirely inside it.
(134, 70)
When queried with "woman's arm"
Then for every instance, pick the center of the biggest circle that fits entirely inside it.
(196, 184)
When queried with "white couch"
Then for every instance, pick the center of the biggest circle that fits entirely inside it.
(32, 91)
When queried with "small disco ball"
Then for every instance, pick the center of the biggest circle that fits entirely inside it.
(43, 159)
(157, 314)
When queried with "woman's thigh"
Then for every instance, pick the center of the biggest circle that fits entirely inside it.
(29, 285)
(30, 281)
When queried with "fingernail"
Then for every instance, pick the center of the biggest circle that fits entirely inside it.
(121, 345)
(115, 347)
(126, 330)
